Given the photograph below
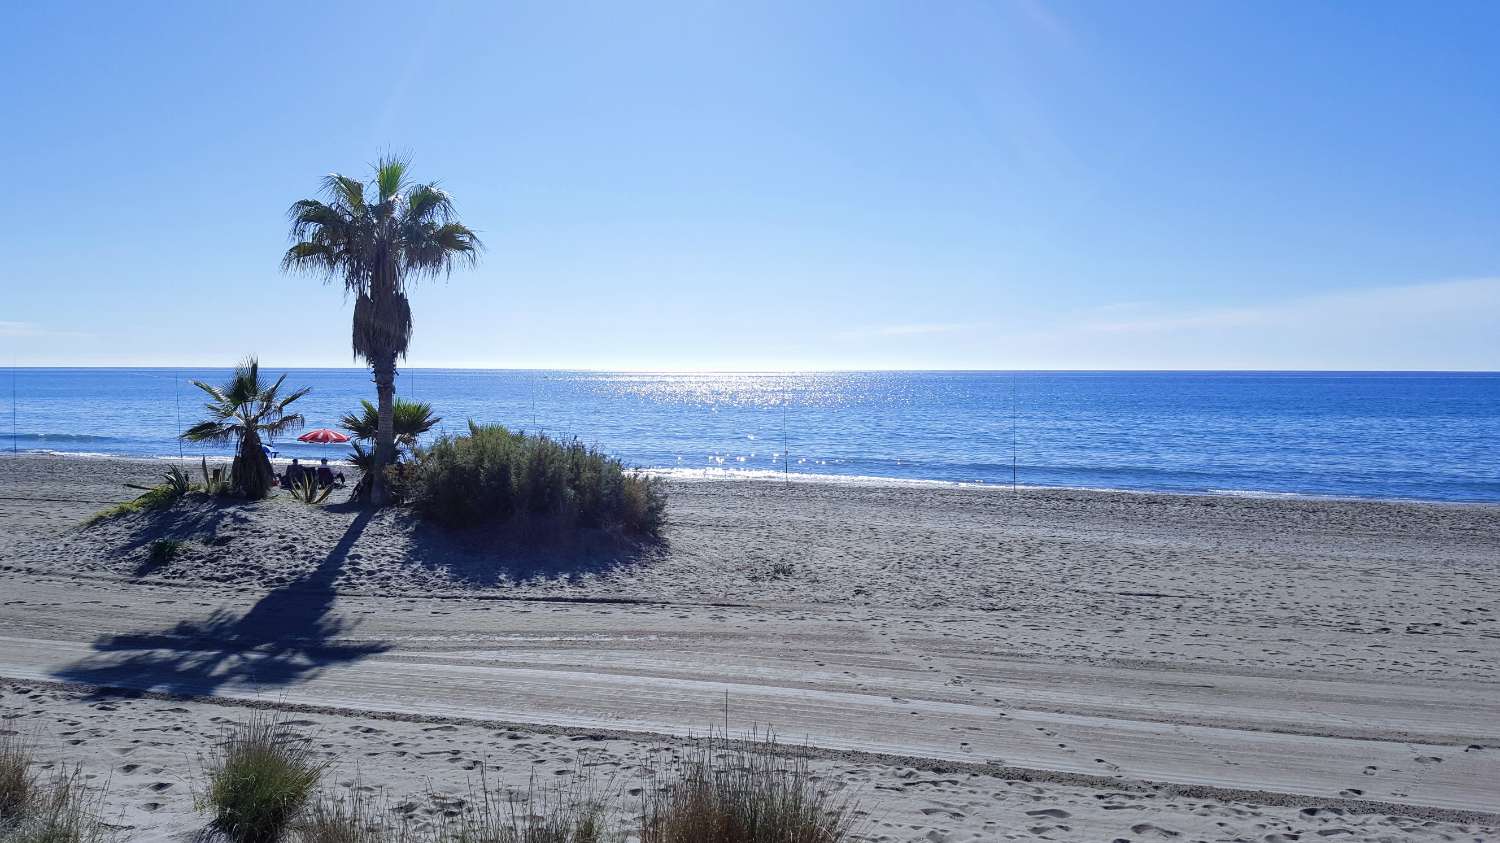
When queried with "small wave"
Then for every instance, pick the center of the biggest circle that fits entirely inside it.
(62, 437)
(690, 475)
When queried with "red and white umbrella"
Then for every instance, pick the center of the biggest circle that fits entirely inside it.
(323, 436)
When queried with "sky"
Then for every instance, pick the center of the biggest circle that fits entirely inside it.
(768, 185)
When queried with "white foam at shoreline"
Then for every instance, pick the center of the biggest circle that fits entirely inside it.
(709, 475)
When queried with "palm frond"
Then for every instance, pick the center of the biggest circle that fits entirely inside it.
(428, 203)
(277, 427)
(390, 177)
(350, 192)
(215, 432)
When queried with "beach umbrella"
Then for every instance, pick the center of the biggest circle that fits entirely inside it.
(323, 436)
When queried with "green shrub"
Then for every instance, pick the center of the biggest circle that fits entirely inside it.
(261, 777)
(492, 475)
(752, 793)
(164, 550)
(309, 491)
(219, 481)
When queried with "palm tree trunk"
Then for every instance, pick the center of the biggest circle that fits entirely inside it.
(384, 367)
(252, 472)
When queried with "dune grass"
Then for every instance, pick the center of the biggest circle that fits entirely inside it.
(17, 783)
(261, 777)
(60, 808)
(156, 497)
(493, 475)
(742, 792)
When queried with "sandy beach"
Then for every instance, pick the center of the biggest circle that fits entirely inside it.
(975, 664)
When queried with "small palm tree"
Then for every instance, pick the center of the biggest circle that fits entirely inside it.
(410, 420)
(244, 410)
(374, 239)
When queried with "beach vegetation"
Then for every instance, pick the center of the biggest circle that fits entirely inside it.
(308, 490)
(742, 792)
(17, 782)
(492, 475)
(175, 483)
(162, 551)
(246, 410)
(411, 420)
(559, 813)
(61, 808)
(261, 777)
(155, 497)
(216, 481)
(375, 238)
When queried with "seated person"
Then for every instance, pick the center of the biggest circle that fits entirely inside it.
(326, 476)
(292, 475)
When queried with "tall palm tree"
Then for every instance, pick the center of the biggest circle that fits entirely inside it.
(243, 410)
(374, 239)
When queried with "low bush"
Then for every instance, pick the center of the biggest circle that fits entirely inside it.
(492, 475)
(164, 550)
(748, 793)
(261, 777)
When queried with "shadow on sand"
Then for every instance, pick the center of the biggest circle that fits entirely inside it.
(523, 552)
(288, 636)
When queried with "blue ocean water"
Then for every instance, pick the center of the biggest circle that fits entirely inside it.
(1391, 435)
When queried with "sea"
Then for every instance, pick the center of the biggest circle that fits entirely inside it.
(1408, 435)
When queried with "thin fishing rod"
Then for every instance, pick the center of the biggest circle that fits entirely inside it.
(786, 456)
(177, 396)
(14, 448)
(1012, 432)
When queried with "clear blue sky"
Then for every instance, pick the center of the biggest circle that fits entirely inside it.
(771, 185)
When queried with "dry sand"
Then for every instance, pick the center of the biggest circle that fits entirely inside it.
(979, 665)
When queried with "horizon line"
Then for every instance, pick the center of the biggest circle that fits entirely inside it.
(760, 371)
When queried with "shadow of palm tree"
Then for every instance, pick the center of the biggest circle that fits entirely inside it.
(288, 636)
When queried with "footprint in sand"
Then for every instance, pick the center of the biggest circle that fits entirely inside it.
(1054, 813)
(1428, 759)
(1153, 830)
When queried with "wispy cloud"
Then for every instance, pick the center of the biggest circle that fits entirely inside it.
(1445, 324)
(910, 330)
(31, 329)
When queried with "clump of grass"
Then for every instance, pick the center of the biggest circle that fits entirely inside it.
(17, 784)
(562, 813)
(751, 792)
(355, 818)
(60, 809)
(163, 551)
(175, 483)
(261, 776)
(493, 475)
